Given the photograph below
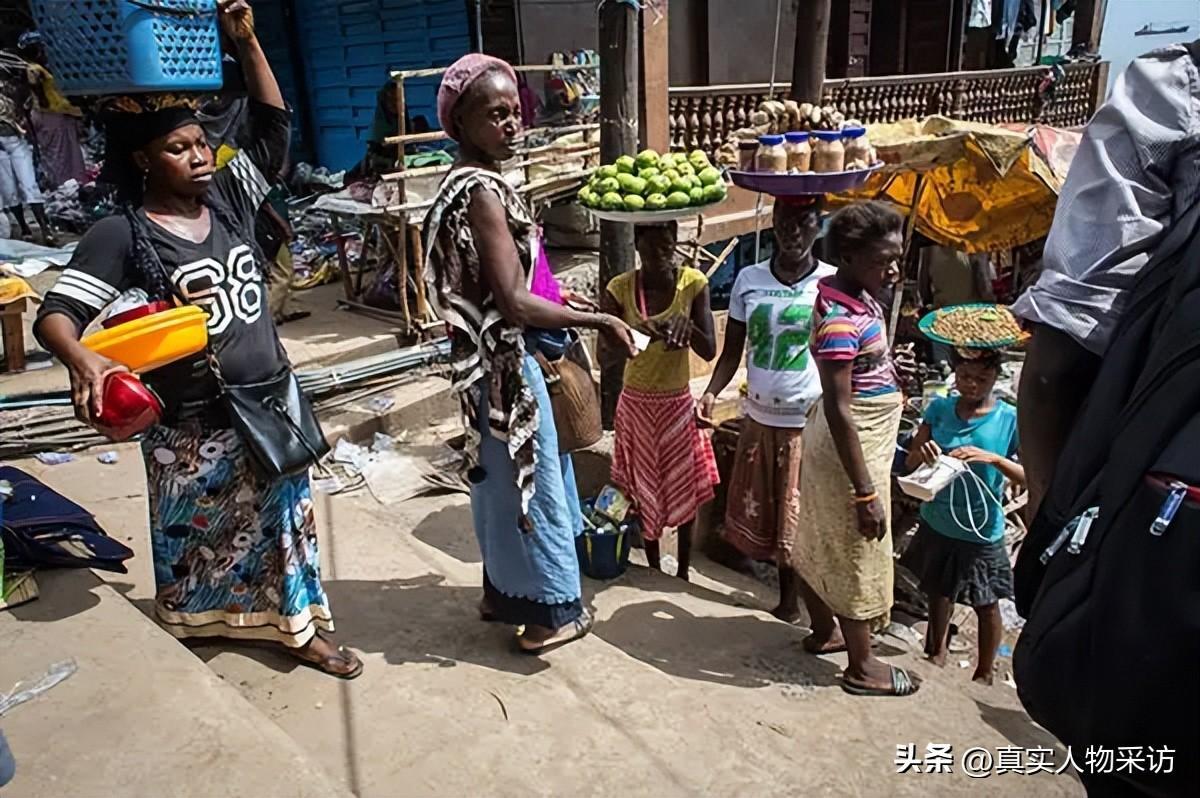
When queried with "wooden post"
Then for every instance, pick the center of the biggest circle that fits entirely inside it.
(654, 110)
(402, 197)
(618, 136)
(12, 328)
(1089, 23)
(812, 42)
(1099, 86)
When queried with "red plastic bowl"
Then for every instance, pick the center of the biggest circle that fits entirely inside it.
(128, 408)
(135, 313)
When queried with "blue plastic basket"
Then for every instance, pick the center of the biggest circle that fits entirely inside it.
(116, 46)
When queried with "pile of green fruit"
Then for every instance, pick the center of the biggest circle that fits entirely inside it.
(653, 182)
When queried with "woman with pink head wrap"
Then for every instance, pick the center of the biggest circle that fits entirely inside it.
(457, 80)
(481, 241)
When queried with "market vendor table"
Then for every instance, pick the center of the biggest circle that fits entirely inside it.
(12, 325)
(390, 244)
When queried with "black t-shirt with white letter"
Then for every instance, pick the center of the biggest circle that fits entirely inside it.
(220, 275)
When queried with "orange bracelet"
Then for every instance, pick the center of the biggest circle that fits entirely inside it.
(866, 499)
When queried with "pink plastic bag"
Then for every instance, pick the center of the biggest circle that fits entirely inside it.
(544, 283)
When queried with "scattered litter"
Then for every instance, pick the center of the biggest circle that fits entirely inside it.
(394, 478)
(964, 663)
(109, 458)
(448, 460)
(670, 565)
(54, 458)
(383, 443)
(319, 705)
(1008, 615)
(905, 634)
(503, 709)
(1005, 650)
(774, 727)
(959, 644)
(351, 455)
(381, 404)
(58, 673)
(338, 478)
(330, 484)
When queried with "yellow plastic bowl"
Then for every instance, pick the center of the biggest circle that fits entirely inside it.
(153, 341)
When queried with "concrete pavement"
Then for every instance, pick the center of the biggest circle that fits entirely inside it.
(684, 689)
(141, 717)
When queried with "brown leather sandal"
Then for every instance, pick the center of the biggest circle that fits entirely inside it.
(328, 665)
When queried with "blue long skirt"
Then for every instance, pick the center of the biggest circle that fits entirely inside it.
(528, 577)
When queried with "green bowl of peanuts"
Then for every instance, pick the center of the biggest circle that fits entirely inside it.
(974, 326)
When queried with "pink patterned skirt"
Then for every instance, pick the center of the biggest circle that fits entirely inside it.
(662, 460)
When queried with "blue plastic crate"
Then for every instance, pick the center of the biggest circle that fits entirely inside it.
(115, 46)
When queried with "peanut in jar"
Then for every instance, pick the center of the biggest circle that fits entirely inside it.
(799, 151)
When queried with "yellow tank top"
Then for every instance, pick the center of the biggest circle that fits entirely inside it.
(658, 370)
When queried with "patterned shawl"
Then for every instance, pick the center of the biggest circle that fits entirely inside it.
(486, 351)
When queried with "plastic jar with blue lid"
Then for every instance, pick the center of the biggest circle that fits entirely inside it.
(799, 151)
(829, 153)
(771, 156)
(859, 152)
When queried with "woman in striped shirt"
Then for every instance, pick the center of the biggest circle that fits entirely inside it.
(844, 545)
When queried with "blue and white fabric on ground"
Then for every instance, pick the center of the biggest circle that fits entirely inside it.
(530, 577)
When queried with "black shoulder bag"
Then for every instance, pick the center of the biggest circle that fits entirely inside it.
(276, 422)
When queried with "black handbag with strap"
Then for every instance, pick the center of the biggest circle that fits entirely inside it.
(276, 422)
(273, 418)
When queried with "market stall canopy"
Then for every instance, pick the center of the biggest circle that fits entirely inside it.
(977, 188)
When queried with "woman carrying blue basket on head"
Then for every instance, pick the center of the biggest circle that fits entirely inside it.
(235, 553)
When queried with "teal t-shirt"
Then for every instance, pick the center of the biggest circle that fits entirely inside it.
(996, 432)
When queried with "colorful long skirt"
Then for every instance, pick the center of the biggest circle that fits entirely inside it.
(530, 576)
(662, 460)
(233, 556)
(763, 508)
(852, 575)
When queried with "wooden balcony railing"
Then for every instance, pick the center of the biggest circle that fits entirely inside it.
(703, 117)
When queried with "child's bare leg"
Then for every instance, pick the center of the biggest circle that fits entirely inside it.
(936, 644)
(789, 593)
(991, 630)
(685, 549)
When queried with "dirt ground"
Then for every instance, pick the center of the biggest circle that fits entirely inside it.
(683, 689)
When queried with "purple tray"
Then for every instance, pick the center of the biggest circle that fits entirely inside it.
(786, 185)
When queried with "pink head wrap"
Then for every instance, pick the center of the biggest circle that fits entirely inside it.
(458, 79)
